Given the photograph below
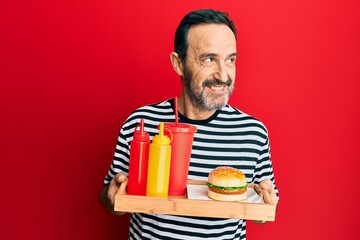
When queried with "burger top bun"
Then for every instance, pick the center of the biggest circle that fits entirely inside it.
(227, 177)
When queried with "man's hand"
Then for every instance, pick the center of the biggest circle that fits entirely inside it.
(117, 186)
(266, 191)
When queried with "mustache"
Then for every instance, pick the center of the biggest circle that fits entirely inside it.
(217, 82)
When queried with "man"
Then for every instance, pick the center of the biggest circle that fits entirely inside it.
(204, 58)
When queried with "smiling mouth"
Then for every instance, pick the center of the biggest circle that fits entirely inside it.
(217, 85)
(217, 88)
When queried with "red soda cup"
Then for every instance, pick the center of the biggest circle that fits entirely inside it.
(181, 146)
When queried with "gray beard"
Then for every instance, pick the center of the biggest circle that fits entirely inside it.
(199, 97)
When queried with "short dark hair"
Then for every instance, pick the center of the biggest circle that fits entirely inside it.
(195, 18)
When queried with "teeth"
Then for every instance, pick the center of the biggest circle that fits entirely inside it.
(217, 88)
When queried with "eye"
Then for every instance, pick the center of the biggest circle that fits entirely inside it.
(208, 60)
(231, 60)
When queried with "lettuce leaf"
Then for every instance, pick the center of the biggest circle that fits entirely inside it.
(225, 188)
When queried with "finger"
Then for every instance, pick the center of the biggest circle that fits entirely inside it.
(122, 189)
(273, 196)
(258, 221)
(261, 195)
(260, 192)
(266, 184)
(257, 188)
(112, 190)
(267, 198)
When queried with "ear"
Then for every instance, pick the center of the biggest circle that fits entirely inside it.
(176, 63)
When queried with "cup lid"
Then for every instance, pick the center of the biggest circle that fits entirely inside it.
(180, 127)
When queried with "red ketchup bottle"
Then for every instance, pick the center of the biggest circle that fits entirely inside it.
(138, 168)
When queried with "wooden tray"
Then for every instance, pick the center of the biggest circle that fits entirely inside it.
(191, 207)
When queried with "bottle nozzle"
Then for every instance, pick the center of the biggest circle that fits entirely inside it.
(161, 139)
(161, 133)
(140, 134)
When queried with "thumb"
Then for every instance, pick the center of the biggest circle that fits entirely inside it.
(122, 189)
(119, 178)
(114, 186)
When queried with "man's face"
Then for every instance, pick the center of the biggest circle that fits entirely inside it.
(209, 70)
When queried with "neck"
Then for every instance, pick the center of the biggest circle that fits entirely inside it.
(187, 109)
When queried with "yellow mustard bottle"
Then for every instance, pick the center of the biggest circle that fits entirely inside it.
(159, 165)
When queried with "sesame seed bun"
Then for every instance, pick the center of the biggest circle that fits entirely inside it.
(227, 184)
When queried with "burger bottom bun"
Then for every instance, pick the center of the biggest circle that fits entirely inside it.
(227, 197)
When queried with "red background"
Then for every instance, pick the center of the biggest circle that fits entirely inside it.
(71, 72)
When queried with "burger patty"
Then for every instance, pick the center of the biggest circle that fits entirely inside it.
(226, 191)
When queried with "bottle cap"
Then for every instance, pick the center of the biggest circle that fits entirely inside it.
(162, 139)
(141, 135)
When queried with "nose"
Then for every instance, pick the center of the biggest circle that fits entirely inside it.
(221, 72)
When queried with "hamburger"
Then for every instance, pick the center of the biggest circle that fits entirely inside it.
(227, 184)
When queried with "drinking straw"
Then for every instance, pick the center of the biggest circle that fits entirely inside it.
(142, 126)
(176, 112)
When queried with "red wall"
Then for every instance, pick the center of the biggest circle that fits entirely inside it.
(71, 71)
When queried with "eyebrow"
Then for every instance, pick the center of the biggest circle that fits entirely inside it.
(204, 55)
(233, 54)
